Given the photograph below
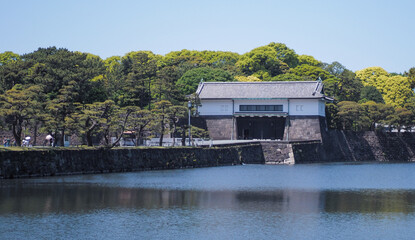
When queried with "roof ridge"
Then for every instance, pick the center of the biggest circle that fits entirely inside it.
(272, 82)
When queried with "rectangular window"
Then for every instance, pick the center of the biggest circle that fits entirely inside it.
(278, 108)
(261, 108)
(269, 108)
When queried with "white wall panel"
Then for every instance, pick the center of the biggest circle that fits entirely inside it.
(215, 107)
(322, 108)
(304, 107)
(298, 107)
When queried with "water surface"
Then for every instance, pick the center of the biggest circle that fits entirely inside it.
(318, 201)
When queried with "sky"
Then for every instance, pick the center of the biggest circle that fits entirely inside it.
(356, 33)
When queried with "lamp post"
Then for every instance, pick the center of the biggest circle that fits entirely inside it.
(189, 105)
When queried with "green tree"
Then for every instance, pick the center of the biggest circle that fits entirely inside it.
(377, 112)
(309, 60)
(8, 57)
(396, 90)
(247, 79)
(13, 73)
(164, 86)
(411, 76)
(402, 117)
(348, 87)
(114, 78)
(353, 116)
(287, 77)
(189, 82)
(334, 68)
(17, 106)
(263, 59)
(175, 113)
(371, 93)
(140, 69)
(140, 121)
(312, 73)
(285, 54)
(93, 117)
(55, 69)
(332, 117)
(162, 109)
(183, 61)
(59, 112)
(117, 123)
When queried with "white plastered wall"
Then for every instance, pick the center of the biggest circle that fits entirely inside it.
(298, 107)
(322, 108)
(305, 107)
(216, 108)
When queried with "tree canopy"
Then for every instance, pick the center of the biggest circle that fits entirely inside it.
(60, 92)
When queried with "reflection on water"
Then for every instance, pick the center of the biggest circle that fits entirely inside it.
(368, 201)
(72, 198)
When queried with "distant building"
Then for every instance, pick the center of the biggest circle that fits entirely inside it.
(263, 110)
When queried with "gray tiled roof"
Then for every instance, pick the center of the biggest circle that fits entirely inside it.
(233, 90)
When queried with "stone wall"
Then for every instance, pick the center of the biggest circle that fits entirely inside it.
(220, 127)
(277, 153)
(347, 146)
(304, 128)
(50, 162)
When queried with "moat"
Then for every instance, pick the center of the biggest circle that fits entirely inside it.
(310, 201)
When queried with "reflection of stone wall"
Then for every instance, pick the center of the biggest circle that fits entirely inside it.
(49, 162)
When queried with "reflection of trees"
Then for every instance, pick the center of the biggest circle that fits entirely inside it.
(370, 201)
(77, 198)
(281, 201)
(72, 198)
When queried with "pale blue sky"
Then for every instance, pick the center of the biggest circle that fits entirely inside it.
(358, 34)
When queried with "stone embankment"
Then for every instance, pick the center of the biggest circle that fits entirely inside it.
(336, 146)
(277, 153)
(52, 162)
(341, 146)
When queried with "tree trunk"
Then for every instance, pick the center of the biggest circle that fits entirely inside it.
(17, 133)
(35, 135)
(107, 136)
(89, 134)
(54, 139)
(174, 131)
(62, 138)
(162, 131)
(184, 137)
(122, 129)
(89, 139)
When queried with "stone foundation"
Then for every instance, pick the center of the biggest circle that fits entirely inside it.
(277, 153)
(221, 127)
(304, 128)
(55, 161)
(348, 146)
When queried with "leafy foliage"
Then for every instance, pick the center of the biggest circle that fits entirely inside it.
(396, 90)
(263, 59)
(190, 80)
(62, 92)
